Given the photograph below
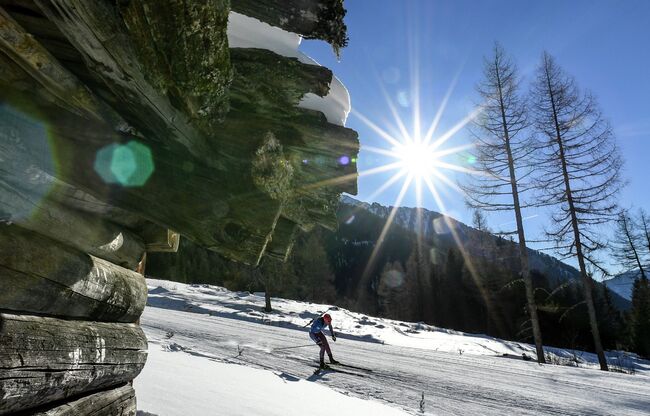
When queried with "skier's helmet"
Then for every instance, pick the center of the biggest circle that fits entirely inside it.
(327, 318)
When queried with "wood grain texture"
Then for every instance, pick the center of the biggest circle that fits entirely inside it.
(43, 360)
(284, 236)
(224, 194)
(40, 275)
(96, 30)
(23, 203)
(119, 401)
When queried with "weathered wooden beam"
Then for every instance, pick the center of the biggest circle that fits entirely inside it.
(68, 195)
(97, 31)
(266, 89)
(159, 239)
(313, 19)
(329, 154)
(282, 151)
(283, 238)
(43, 360)
(309, 209)
(230, 213)
(183, 49)
(40, 276)
(119, 401)
(270, 84)
(26, 203)
(32, 57)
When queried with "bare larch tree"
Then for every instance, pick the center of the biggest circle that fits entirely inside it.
(627, 245)
(579, 173)
(644, 221)
(502, 148)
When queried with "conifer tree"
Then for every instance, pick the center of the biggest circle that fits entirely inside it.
(579, 173)
(627, 245)
(502, 149)
(640, 317)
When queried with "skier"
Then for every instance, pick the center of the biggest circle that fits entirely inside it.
(316, 334)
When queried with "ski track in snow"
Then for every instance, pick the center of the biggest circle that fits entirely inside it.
(453, 384)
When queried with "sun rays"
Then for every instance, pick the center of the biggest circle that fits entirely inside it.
(415, 158)
(420, 160)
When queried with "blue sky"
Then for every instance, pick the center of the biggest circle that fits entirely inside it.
(603, 44)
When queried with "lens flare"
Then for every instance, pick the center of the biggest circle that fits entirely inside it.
(128, 164)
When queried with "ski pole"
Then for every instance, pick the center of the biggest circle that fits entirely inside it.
(288, 348)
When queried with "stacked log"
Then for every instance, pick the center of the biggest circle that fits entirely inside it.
(124, 125)
(216, 211)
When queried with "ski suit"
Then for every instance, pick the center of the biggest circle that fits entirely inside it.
(316, 334)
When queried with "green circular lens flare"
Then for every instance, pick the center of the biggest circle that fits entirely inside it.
(471, 160)
(128, 164)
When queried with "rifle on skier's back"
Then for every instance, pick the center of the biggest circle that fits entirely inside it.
(313, 319)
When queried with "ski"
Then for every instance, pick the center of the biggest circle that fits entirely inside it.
(328, 369)
(352, 366)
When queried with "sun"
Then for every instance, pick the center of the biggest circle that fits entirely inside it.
(417, 159)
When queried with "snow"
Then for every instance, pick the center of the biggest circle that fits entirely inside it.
(294, 314)
(214, 351)
(200, 386)
(248, 32)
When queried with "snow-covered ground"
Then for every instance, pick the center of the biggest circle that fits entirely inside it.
(213, 351)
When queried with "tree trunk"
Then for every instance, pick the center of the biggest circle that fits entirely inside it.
(523, 250)
(586, 279)
(119, 401)
(43, 360)
(267, 300)
(39, 275)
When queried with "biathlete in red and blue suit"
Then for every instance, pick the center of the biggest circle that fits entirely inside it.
(316, 334)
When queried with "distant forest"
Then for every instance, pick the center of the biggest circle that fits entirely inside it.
(412, 282)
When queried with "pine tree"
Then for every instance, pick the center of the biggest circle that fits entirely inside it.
(394, 292)
(579, 173)
(627, 244)
(640, 317)
(502, 151)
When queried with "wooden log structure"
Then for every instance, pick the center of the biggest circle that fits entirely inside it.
(283, 238)
(125, 125)
(119, 401)
(92, 234)
(41, 276)
(44, 359)
(227, 227)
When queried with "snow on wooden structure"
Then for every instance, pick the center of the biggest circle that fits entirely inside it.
(121, 121)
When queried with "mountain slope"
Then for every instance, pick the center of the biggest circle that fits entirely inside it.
(622, 283)
(443, 230)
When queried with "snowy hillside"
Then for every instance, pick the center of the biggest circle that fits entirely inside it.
(436, 227)
(622, 284)
(213, 351)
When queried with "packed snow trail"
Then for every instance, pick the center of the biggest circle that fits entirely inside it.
(453, 384)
